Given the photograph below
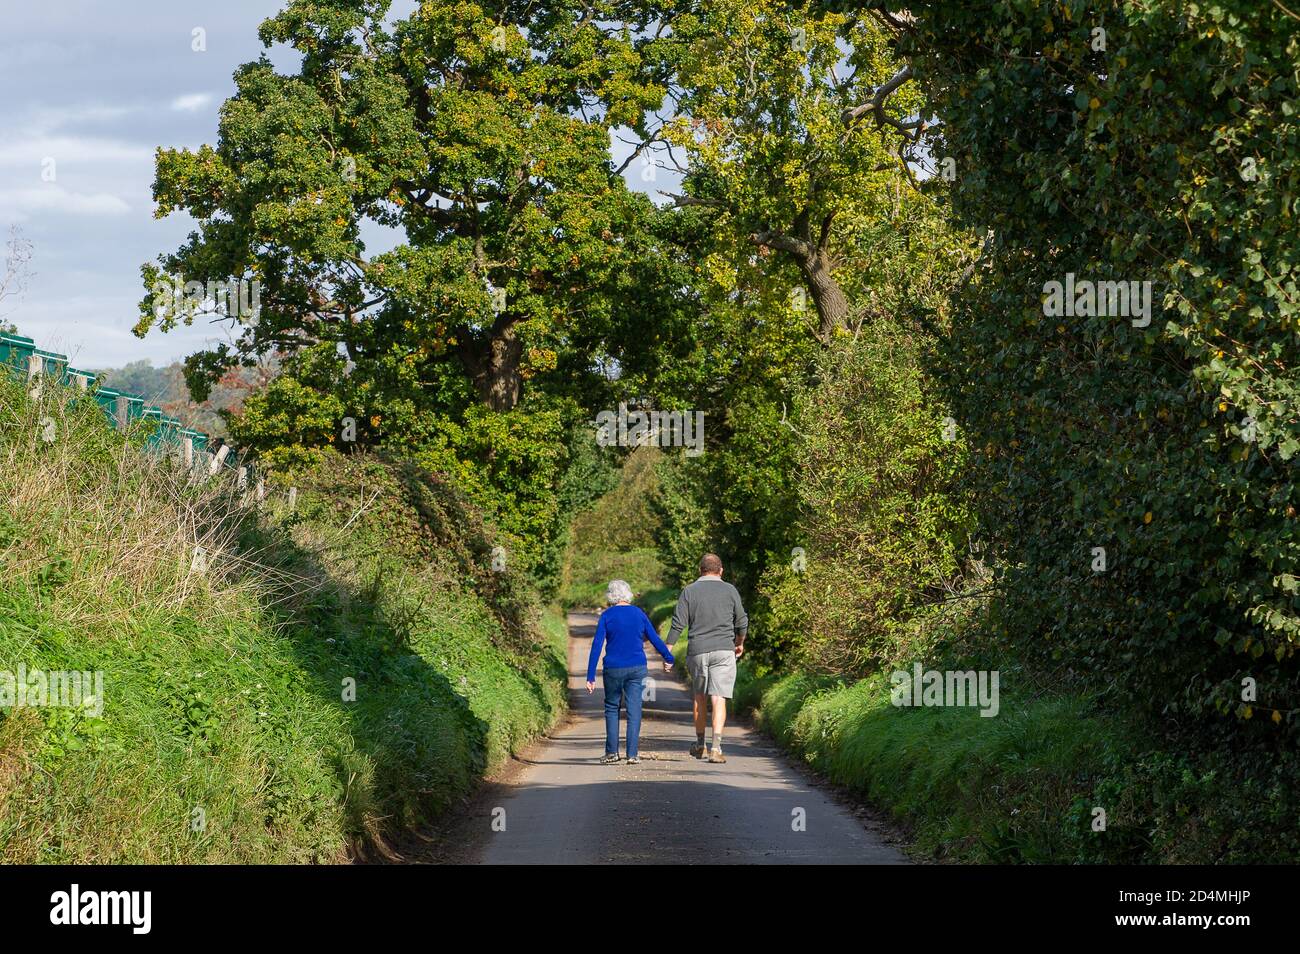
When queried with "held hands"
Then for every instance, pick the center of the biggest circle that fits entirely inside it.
(668, 667)
(591, 687)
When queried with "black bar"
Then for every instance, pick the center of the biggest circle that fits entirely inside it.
(366, 903)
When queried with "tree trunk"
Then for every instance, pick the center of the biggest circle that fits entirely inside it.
(832, 306)
(493, 363)
(814, 261)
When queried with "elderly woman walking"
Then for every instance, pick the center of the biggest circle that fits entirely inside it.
(621, 630)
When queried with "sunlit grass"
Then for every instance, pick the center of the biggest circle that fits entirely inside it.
(226, 734)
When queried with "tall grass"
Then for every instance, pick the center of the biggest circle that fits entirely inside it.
(229, 732)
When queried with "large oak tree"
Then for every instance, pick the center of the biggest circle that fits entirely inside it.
(478, 132)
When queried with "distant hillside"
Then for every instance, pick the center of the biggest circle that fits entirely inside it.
(166, 388)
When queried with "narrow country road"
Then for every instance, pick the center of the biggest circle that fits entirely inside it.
(564, 808)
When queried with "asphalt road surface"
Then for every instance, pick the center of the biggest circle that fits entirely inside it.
(565, 808)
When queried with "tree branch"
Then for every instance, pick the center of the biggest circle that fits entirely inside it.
(783, 243)
(876, 104)
(826, 231)
(901, 22)
(682, 201)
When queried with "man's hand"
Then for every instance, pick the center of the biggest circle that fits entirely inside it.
(668, 667)
(591, 687)
(740, 650)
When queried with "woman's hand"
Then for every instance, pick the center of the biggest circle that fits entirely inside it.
(668, 667)
(591, 687)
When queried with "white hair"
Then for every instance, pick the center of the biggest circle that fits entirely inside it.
(618, 592)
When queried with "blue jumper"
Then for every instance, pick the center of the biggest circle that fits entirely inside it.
(623, 628)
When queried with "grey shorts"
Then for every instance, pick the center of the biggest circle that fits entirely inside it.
(713, 674)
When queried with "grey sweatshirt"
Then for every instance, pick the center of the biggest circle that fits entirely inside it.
(710, 610)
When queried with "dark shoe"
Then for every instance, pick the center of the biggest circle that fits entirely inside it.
(716, 756)
(698, 751)
(609, 760)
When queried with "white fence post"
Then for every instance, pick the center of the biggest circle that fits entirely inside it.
(35, 366)
(218, 460)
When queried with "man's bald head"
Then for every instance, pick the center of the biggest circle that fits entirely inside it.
(710, 565)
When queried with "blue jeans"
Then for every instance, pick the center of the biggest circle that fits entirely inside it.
(623, 686)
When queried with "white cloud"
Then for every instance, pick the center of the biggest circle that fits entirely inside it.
(191, 102)
(42, 120)
(16, 204)
(31, 151)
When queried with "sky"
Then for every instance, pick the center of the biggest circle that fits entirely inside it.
(88, 91)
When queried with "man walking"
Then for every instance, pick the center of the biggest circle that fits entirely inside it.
(710, 611)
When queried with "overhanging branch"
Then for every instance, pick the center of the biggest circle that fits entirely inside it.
(783, 243)
(876, 104)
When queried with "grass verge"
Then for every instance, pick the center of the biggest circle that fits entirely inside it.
(277, 685)
(1026, 785)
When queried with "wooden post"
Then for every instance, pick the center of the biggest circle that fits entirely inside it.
(218, 460)
(187, 452)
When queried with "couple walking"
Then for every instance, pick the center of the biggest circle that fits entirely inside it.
(711, 613)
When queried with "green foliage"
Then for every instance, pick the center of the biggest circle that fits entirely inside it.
(827, 213)
(622, 518)
(883, 521)
(681, 507)
(508, 462)
(480, 134)
(737, 498)
(1168, 444)
(589, 573)
(614, 537)
(808, 231)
